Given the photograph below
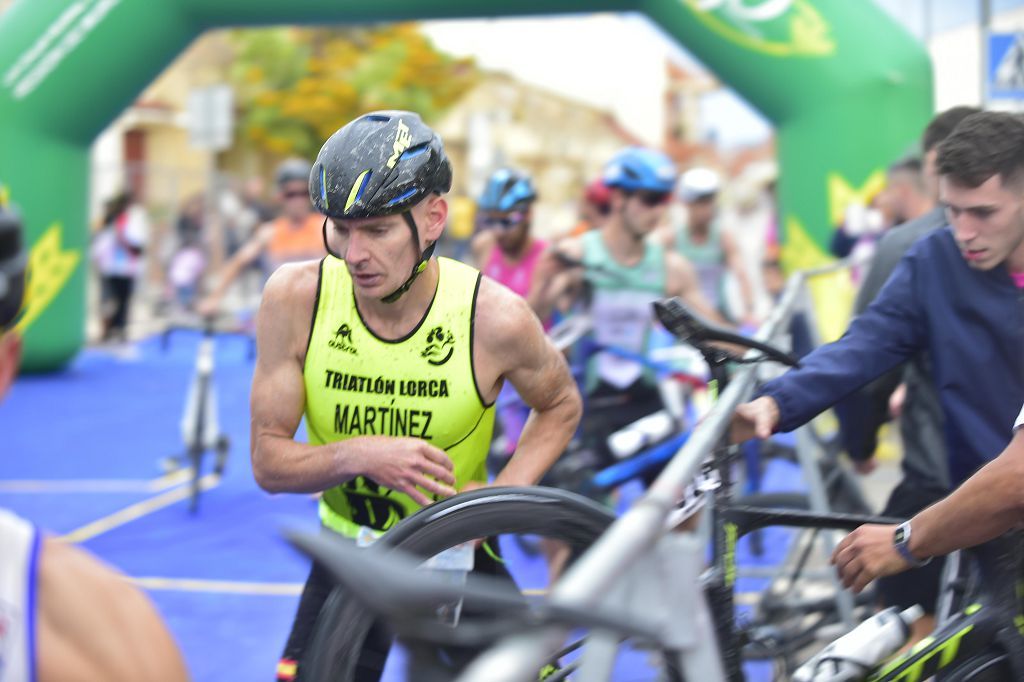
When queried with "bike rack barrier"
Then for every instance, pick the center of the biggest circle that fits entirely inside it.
(639, 565)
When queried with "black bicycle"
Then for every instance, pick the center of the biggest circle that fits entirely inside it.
(345, 620)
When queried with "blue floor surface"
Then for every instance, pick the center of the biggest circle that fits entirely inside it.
(104, 424)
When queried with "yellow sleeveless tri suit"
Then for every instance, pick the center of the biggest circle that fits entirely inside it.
(421, 386)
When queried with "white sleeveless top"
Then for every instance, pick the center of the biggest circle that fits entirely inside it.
(19, 553)
(1020, 420)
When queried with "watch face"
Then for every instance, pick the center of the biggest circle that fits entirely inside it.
(900, 536)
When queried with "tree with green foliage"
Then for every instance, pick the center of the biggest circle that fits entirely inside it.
(296, 86)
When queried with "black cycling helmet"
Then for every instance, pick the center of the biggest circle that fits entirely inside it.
(380, 164)
(13, 263)
(292, 170)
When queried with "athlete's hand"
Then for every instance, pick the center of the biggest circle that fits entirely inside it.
(865, 466)
(410, 466)
(209, 306)
(756, 419)
(865, 554)
(896, 401)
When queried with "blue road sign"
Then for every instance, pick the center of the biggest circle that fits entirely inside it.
(1006, 66)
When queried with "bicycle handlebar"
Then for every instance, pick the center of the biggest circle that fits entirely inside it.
(690, 328)
(568, 261)
(390, 584)
(207, 324)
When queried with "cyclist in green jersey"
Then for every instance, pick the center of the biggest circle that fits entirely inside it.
(701, 240)
(626, 272)
(394, 357)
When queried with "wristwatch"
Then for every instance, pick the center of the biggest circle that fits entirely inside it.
(901, 541)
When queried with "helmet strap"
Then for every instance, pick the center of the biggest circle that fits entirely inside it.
(420, 266)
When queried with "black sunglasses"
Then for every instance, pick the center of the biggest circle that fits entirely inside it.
(651, 199)
(506, 222)
(295, 194)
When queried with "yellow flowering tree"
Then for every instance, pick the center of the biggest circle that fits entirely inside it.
(296, 86)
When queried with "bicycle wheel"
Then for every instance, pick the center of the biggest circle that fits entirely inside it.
(793, 608)
(988, 666)
(344, 623)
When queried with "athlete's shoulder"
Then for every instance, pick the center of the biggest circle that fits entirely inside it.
(294, 279)
(501, 313)
(92, 619)
(571, 246)
(676, 263)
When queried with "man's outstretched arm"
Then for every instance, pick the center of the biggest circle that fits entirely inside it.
(987, 505)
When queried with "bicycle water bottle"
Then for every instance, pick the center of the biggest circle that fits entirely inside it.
(850, 657)
(642, 433)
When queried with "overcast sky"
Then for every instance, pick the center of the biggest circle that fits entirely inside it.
(615, 62)
(595, 58)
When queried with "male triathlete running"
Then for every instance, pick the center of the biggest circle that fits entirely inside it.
(957, 293)
(293, 236)
(702, 240)
(63, 614)
(626, 273)
(394, 357)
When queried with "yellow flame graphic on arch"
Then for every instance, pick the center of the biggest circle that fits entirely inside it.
(49, 269)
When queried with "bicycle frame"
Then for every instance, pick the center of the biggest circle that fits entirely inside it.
(637, 547)
(995, 618)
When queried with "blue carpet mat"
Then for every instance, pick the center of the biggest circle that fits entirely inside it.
(109, 419)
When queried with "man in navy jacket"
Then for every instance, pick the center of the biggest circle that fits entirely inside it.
(958, 293)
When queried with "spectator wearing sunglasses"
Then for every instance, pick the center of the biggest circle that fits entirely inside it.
(295, 235)
(702, 241)
(619, 272)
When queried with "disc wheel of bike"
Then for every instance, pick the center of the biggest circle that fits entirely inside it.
(344, 623)
(989, 666)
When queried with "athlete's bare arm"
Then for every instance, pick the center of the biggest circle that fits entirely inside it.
(234, 266)
(481, 246)
(734, 261)
(552, 279)
(278, 399)
(511, 345)
(682, 282)
(665, 236)
(95, 625)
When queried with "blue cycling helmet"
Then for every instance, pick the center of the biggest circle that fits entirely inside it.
(507, 190)
(640, 169)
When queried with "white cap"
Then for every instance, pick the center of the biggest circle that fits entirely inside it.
(761, 172)
(698, 182)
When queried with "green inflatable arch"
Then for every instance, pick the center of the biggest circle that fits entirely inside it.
(847, 89)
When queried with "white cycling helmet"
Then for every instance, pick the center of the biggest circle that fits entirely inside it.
(698, 183)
